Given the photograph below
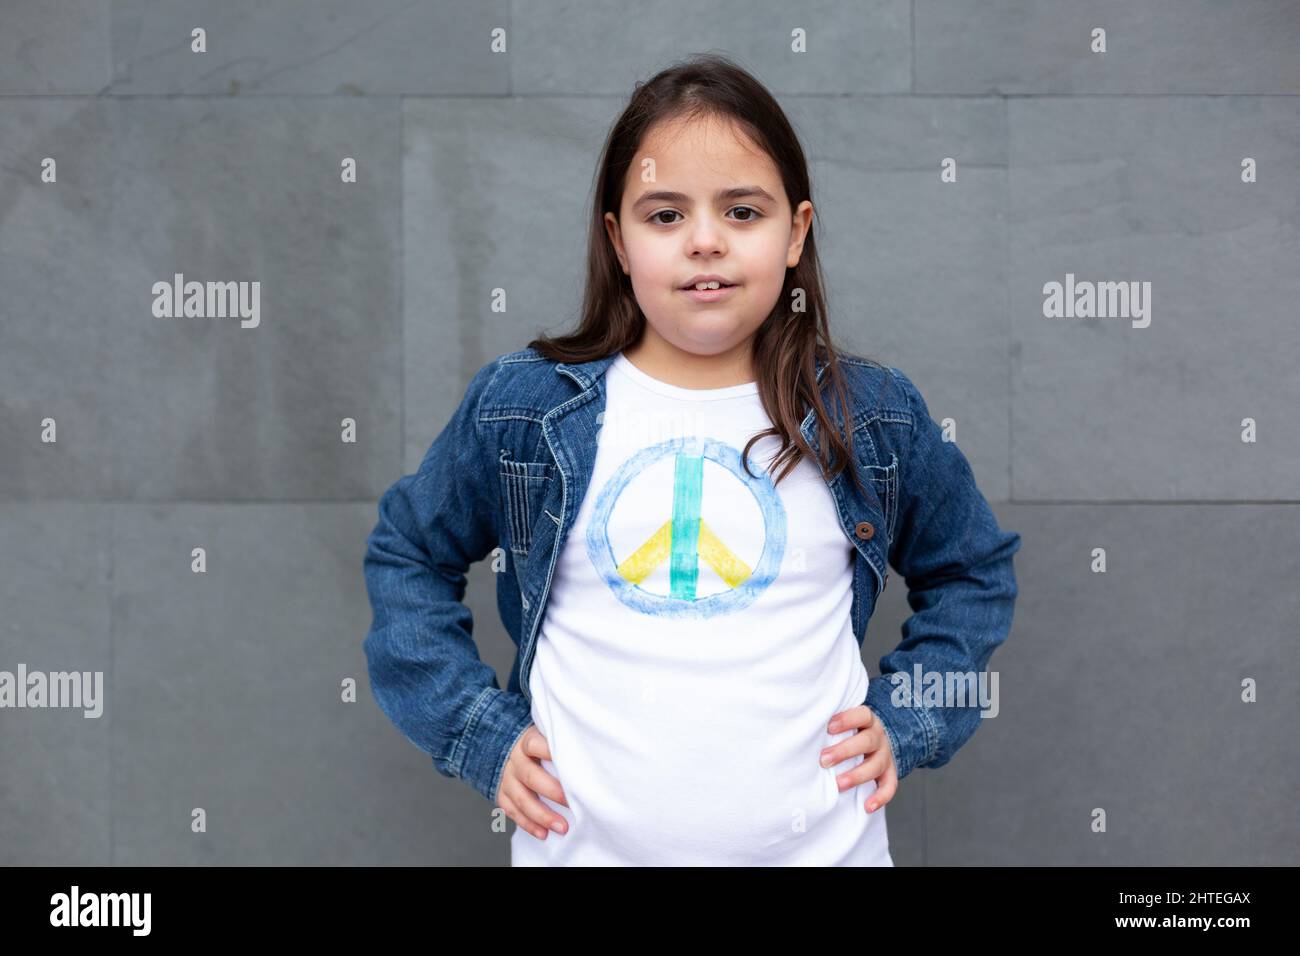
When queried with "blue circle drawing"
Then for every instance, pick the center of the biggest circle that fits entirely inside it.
(740, 596)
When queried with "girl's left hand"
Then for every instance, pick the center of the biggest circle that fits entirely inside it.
(871, 741)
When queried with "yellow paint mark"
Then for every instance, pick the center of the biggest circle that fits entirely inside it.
(638, 565)
(721, 558)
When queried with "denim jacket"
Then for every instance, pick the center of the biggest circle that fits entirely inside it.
(506, 477)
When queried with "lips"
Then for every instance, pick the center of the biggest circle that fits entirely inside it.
(725, 283)
(709, 295)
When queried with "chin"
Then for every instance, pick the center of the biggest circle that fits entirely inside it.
(709, 343)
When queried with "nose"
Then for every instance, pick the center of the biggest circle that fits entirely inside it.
(706, 237)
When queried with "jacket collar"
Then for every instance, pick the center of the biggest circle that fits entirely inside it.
(585, 373)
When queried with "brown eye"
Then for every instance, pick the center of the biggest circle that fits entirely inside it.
(750, 209)
(655, 218)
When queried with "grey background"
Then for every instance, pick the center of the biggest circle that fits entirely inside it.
(1118, 690)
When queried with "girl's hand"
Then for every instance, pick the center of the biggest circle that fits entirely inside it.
(523, 779)
(872, 741)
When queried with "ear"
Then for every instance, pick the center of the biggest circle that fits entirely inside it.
(799, 227)
(616, 238)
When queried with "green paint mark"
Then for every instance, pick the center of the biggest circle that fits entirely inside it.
(688, 482)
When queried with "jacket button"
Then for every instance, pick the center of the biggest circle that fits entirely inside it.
(864, 530)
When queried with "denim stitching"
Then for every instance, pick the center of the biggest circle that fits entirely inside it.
(518, 500)
(884, 415)
(871, 443)
(509, 417)
(931, 735)
(458, 751)
(513, 495)
(890, 479)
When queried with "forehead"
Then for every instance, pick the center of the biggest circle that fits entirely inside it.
(702, 154)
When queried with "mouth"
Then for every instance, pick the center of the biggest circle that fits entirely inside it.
(706, 293)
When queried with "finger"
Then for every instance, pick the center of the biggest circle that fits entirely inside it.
(518, 803)
(860, 716)
(513, 812)
(537, 779)
(534, 774)
(859, 743)
(868, 769)
(886, 787)
(535, 745)
(537, 811)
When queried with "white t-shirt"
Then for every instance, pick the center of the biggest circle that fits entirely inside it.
(696, 642)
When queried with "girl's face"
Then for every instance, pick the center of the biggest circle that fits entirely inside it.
(715, 206)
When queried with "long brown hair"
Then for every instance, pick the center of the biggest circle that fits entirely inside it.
(786, 345)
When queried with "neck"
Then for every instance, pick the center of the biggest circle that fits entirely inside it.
(662, 360)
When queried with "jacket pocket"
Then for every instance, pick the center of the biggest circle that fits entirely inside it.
(884, 481)
(523, 489)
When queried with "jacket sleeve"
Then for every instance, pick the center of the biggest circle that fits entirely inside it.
(424, 666)
(961, 587)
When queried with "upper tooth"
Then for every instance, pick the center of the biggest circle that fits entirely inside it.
(708, 285)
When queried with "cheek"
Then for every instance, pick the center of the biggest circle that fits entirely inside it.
(765, 259)
(765, 283)
(650, 262)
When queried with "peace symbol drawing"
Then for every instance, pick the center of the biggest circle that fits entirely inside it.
(684, 537)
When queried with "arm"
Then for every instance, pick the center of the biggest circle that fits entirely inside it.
(961, 587)
(425, 671)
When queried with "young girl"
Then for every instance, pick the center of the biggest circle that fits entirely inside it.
(693, 541)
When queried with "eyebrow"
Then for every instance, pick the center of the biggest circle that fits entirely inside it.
(735, 192)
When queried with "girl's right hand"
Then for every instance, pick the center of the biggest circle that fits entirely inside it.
(523, 779)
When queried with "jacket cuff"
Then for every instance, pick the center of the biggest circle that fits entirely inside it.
(497, 721)
(913, 734)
